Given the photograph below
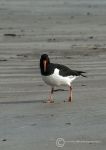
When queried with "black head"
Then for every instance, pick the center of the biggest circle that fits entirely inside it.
(44, 62)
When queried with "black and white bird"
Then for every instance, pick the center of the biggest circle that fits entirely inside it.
(57, 74)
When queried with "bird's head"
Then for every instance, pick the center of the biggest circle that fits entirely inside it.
(44, 62)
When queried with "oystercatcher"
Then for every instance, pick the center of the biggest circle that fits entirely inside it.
(57, 74)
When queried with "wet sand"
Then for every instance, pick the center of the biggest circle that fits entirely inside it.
(72, 33)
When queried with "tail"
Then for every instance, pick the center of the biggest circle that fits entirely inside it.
(81, 73)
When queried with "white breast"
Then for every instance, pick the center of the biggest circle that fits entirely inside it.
(56, 80)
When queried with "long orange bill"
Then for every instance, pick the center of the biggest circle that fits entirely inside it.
(45, 65)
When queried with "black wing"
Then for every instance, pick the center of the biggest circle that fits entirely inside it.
(65, 71)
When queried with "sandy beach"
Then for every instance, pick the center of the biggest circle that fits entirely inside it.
(72, 33)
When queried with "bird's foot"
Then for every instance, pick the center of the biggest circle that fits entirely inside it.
(50, 101)
(69, 100)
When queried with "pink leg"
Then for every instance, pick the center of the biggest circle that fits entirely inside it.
(50, 100)
(70, 96)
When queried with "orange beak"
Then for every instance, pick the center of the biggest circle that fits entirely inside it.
(45, 65)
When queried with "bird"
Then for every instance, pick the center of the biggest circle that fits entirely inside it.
(54, 75)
